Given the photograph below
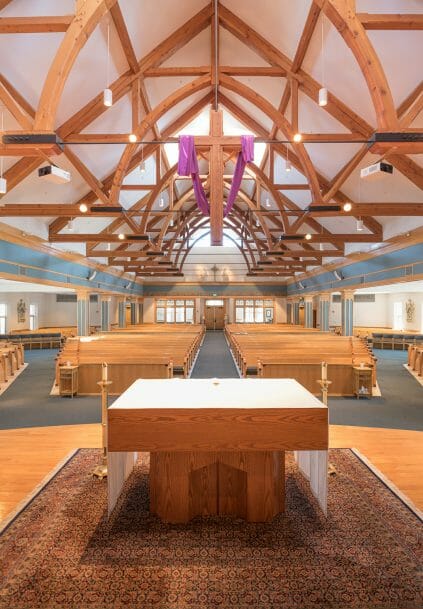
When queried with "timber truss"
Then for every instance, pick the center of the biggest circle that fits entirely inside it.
(151, 240)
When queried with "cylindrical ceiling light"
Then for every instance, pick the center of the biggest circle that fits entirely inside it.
(107, 93)
(360, 225)
(3, 181)
(323, 92)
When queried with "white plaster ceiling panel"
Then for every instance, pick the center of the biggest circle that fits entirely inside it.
(234, 52)
(88, 76)
(87, 225)
(128, 198)
(176, 110)
(401, 61)
(417, 158)
(9, 161)
(30, 226)
(301, 198)
(29, 8)
(101, 159)
(342, 75)
(155, 21)
(388, 189)
(389, 6)
(116, 119)
(148, 177)
(281, 23)
(399, 225)
(286, 177)
(195, 53)
(314, 119)
(342, 224)
(268, 87)
(73, 248)
(16, 49)
(39, 190)
(330, 158)
(250, 109)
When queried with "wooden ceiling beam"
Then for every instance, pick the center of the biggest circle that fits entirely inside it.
(35, 25)
(124, 38)
(388, 21)
(10, 103)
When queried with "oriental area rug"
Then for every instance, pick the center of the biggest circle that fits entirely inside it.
(62, 552)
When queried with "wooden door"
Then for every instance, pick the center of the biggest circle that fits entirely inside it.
(214, 317)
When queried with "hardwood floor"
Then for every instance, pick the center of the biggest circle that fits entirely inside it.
(28, 455)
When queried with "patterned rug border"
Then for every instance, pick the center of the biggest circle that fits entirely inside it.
(22, 505)
(389, 485)
(26, 501)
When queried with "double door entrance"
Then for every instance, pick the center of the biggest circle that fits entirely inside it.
(214, 314)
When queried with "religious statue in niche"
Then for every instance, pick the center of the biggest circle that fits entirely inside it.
(409, 309)
(21, 308)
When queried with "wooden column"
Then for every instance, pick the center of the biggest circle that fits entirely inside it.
(216, 179)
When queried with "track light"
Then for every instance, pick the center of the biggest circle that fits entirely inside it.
(347, 207)
(121, 236)
(132, 138)
(308, 236)
(360, 225)
(323, 97)
(298, 137)
(107, 98)
(83, 208)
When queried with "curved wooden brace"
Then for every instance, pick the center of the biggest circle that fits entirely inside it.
(192, 212)
(265, 106)
(88, 15)
(343, 16)
(145, 125)
(228, 237)
(242, 195)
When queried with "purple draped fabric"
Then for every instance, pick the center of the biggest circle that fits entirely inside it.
(245, 156)
(188, 165)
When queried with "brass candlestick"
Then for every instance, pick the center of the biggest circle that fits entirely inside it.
(100, 471)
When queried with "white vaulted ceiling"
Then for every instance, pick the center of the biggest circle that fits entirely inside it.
(25, 62)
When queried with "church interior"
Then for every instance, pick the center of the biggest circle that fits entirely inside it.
(211, 304)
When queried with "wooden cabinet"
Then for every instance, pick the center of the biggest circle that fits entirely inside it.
(362, 381)
(68, 380)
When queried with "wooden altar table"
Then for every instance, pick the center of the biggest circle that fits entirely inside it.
(217, 446)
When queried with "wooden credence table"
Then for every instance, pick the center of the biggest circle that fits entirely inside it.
(217, 445)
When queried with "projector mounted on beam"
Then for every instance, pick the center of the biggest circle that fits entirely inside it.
(55, 174)
(376, 171)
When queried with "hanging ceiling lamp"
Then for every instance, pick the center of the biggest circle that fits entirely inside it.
(3, 181)
(288, 165)
(360, 225)
(323, 92)
(107, 93)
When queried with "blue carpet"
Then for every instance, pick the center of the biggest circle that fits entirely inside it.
(215, 359)
(27, 402)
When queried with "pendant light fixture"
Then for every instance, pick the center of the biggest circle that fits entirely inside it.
(142, 164)
(360, 225)
(267, 202)
(71, 226)
(3, 181)
(107, 93)
(323, 92)
(288, 165)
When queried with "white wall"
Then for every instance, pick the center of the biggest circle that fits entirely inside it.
(367, 314)
(11, 300)
(417, 298)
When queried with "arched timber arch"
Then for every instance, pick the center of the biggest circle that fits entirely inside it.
(342, 13)
(145, 125)
(228, 237)
(88, 15)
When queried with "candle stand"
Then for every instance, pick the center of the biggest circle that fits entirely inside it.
(100, 471)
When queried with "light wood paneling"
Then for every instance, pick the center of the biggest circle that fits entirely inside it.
(28, 455)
